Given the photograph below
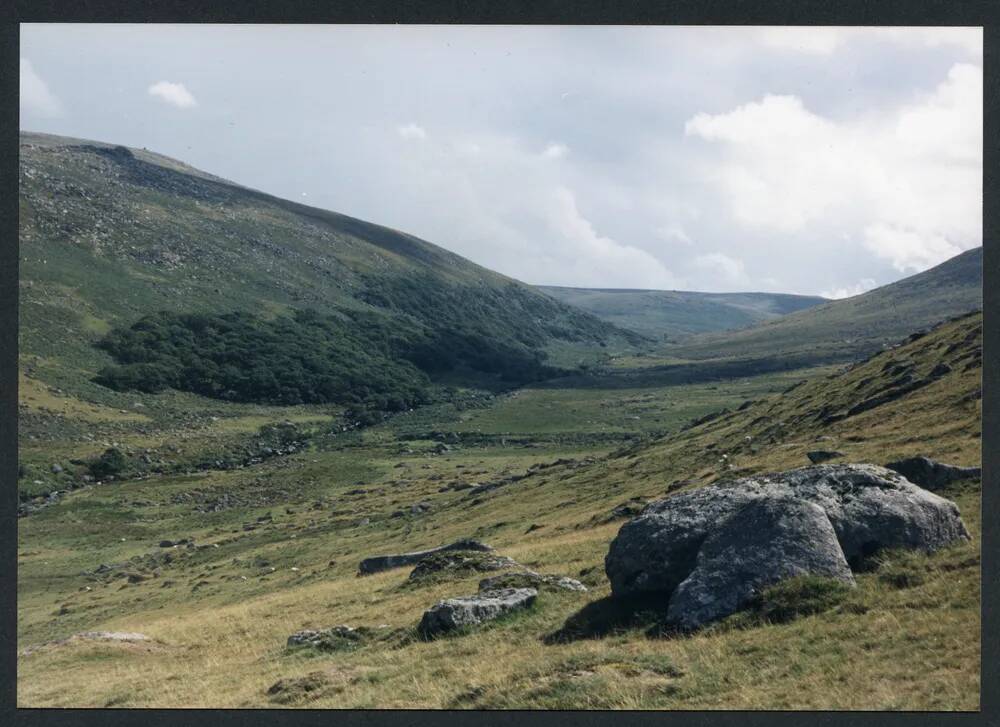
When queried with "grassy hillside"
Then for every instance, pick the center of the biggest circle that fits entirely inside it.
(844, 330)
(109, 235)
(277, 546)
(674, 314)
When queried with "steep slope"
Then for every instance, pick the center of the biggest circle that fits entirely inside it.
(110, 235)
(848, 329)
(674, 314)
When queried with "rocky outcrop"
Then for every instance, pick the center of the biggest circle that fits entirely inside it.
(460, 562)
(868, 508)
(336, 638)
(530, 579)
(930, 474)
(380, 563)
(766, 541)
(456, 613)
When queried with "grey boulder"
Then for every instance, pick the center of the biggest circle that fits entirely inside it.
(930, 474)
(869, 507)
(456, 613)
(766, 541)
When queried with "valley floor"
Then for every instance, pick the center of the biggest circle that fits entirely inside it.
(277, 545)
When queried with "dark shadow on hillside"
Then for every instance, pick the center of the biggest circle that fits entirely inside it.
(609, 615)
(696, 372)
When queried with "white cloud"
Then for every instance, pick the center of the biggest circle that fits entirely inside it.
(598, 260)
(411, 131)
(908, 250)
(910, 178)
(555, 151)
(813, 39)
(729, 269)
(174, 94)
(849, 291)
(35, 96)
(673, 233)
(824, 40)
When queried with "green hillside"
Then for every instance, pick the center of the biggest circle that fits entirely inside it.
(675, 314)
(111, 235)
(851, 328)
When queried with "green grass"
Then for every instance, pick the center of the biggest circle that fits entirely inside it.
(277, 542)
(674, 315)
(843, 330)
(906, 638)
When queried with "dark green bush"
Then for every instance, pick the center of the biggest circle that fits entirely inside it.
(365, 359)
(112, 463)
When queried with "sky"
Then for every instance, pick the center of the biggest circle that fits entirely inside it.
(822, 161)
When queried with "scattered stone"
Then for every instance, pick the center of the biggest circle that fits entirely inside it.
(930, 474)
(379, 563)
(56, 469)
(456, 613)
(530, 579)
(818, 456)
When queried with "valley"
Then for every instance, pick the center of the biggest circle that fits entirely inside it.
(216, 527)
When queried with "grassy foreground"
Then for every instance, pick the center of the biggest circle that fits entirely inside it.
(217, 617)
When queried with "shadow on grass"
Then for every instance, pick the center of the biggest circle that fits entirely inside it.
(608, 616)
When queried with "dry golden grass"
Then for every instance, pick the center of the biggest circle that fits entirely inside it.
(907, 638)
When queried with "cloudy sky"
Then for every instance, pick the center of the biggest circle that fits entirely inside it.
(811, 160)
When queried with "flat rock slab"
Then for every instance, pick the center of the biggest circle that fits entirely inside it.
(129, 636)
(930, 474)
(456, 613)
(379, 563)
(530, 579)
(868, 507)
(766, 541)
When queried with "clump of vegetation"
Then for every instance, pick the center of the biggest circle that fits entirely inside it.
(794, 598)
(305, 358)
(368, 361)
(111, 463)
(286, 691)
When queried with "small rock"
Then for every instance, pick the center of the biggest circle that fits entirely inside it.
(932, 475)
(455, 613)
(818, 456)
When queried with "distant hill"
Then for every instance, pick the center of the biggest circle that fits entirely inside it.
(112, 238)
(674, 314)
(855, 327)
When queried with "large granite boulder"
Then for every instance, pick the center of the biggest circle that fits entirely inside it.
(455, 613)
(379, 563)
(681, 546)
(930, 474)
(766, 541)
